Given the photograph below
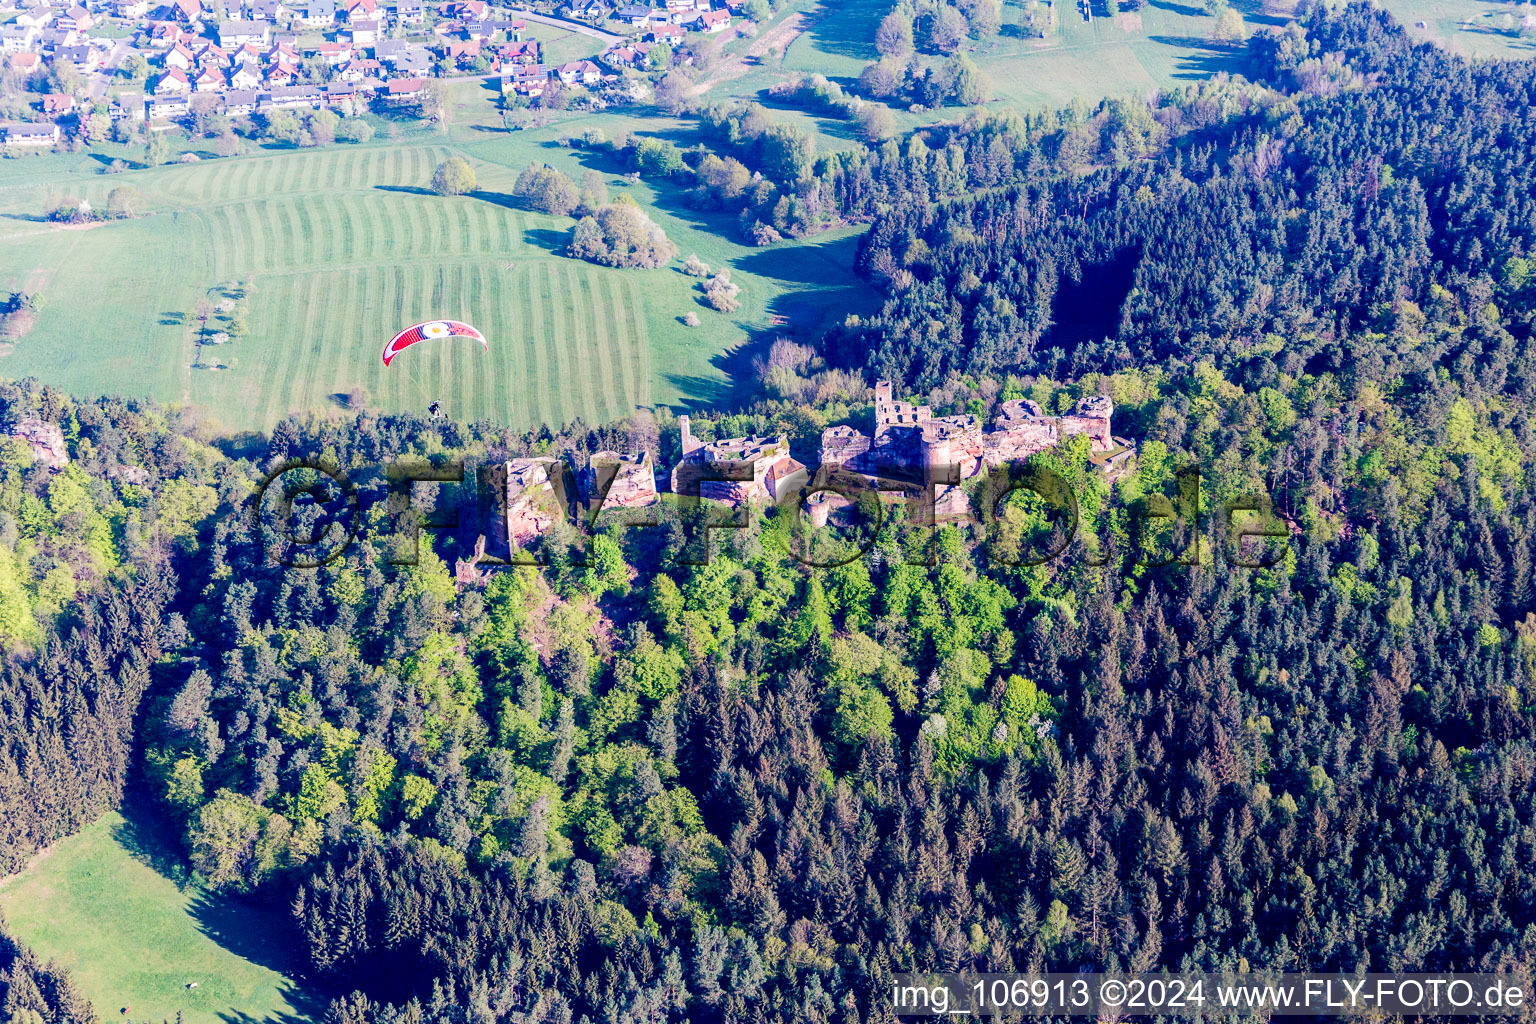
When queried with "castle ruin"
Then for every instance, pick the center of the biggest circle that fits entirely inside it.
(910, 441)
(762, 469)
(909, 447)
(632, 476)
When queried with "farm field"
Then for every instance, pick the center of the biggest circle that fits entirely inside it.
(323, 253)
(131, 937)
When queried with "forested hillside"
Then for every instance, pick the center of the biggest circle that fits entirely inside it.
(1366, 172)
(628, 787)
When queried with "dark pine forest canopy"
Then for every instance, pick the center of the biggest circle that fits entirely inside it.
(636, 789)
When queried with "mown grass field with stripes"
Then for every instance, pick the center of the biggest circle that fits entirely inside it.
(325, 253)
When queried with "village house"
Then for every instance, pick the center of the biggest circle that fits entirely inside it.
(669, 35)
(168, 108)
(357, 69)
(54, 39)
(211, 54)
(26, 63)
(712, 21)
(91, 56)
(286, 97)
(56, 105)
(462, 50)
(180, 57)
(634, 15)
(400, 92)
(636, 55)
(209, 79)
(17, 39)
(172, 83)
(187, 11)
(526, 80)
(129, 106)
(164, 34)
(342, 93)
(587, 10)
(519, 53)
(334, 54)
(245, 76)
(580, 72)
(77, 18)
(241, 102)
(21, 133)
(28, 18)
(238, 33)
(37, 17)
(364, 31)
(402, 57)
(318, 13)
(410, 12)
(282, 73)
(129, 9)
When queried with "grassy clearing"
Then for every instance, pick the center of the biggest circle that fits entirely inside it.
(132, 937)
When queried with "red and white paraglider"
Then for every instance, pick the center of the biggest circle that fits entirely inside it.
(432, 330)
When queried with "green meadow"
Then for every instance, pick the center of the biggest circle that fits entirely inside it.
(134, 939)
(324, 253)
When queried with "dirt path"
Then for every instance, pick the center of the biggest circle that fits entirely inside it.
(779, 37)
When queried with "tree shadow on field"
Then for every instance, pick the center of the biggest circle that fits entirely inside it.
(1176, 8)
(1204, 58)
(707, 392)
(414, 190)
(551, 240)
(148, 838)
(263, 935)
(503, 199)
(309, 1008)
(1254, 13)
(739, 364)
(173, 318)
(846, 28)
(246, 444)
(801, 263)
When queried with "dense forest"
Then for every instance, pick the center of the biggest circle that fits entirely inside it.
(638, 785)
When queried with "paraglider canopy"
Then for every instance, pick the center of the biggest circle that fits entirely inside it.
(432, 330)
